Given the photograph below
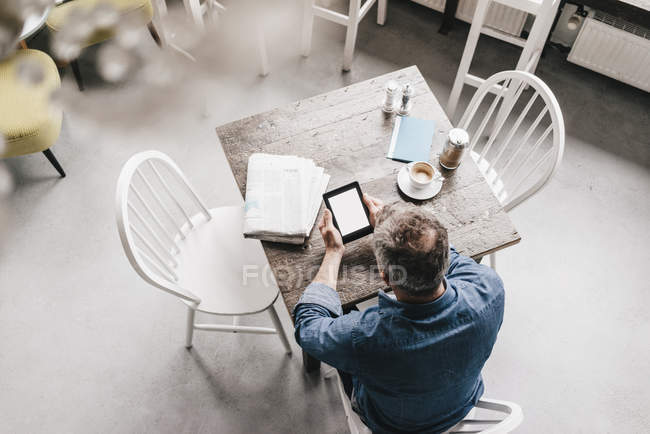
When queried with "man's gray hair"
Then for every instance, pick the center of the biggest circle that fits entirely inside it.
(411, 247)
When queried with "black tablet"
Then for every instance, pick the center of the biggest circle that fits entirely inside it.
(351, 216)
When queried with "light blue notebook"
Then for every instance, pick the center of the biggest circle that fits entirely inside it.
(411, 139)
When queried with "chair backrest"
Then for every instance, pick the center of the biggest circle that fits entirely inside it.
(519, 140)
(156, 208)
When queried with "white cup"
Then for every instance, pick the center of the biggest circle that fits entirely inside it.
(421, 174)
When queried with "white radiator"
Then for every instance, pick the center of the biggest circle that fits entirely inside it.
(500, 17)
(615, 48)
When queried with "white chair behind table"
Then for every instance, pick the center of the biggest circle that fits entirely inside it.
(513, 416)
(175, 243)
(199, 9)
(523, 148)
(356, 12)
(544, 12)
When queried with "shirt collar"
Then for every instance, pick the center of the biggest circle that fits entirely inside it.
(387, 302)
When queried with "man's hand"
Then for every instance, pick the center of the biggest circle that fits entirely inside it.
(331, 235)
(374, 206)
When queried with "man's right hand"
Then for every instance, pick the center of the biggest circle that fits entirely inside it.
(374, 207)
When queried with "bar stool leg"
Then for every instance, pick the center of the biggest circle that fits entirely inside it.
(532, 50)
(381, 11)
(538, 34)
(307, 26)
(351, 34)
(261, 46)
(468, 54)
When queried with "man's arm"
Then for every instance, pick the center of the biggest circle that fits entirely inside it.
(320, 327)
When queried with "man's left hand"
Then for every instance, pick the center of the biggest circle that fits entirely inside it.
(331, 236)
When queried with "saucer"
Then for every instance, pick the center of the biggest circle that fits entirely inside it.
(404, 184)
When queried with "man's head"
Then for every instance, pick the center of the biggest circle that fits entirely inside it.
(412, 249)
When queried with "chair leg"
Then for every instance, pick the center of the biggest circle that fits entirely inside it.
(351, 34)
(468, 54)
(381, 11)
(493, 261)
(52, 159)
(279, 329)
(307, 26)
(189, 333)
(77, 74)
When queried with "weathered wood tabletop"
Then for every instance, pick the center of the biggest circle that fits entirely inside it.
(346, 132)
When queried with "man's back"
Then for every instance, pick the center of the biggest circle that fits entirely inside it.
(415, 367)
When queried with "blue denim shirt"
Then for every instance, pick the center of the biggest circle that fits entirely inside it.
(415, 367)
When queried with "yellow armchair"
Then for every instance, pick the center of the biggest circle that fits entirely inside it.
(28, 122)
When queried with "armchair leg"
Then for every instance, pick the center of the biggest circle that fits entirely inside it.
(154, 34)
(52, 159)
(77, 74)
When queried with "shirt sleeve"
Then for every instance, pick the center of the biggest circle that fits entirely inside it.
(322, 330)
(481, 277)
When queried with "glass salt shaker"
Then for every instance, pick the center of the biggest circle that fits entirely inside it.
(452, 153)
(389, 100)
(407, 103)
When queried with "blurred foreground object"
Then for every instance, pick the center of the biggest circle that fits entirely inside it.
(27, 120)
(252, 12)
(78, 24)
(11, 25)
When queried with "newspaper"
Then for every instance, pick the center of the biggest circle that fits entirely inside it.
(283, 196)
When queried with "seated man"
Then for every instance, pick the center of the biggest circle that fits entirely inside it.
(411, 364)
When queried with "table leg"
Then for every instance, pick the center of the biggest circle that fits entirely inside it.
(309, 363)
(451, 6)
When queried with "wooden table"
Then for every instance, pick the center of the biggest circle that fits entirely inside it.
(346, 132)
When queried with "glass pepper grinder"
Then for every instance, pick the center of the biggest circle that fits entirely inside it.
(407, 103)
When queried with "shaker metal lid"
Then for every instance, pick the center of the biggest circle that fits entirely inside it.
(458, 137)
(408, 90)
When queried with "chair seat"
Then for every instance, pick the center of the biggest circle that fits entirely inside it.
(58, 16)
(214, 259)
(27, 119)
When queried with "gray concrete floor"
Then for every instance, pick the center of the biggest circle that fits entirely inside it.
(87, 346)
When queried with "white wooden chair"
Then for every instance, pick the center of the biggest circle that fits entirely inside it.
(211, 8)
(524, 146)
(197, 254)
(356, 13)
(513, 416)
(544, 12)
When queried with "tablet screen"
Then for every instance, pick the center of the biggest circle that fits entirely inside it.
(349, 212)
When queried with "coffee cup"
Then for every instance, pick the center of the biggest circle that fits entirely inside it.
(421, 174)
